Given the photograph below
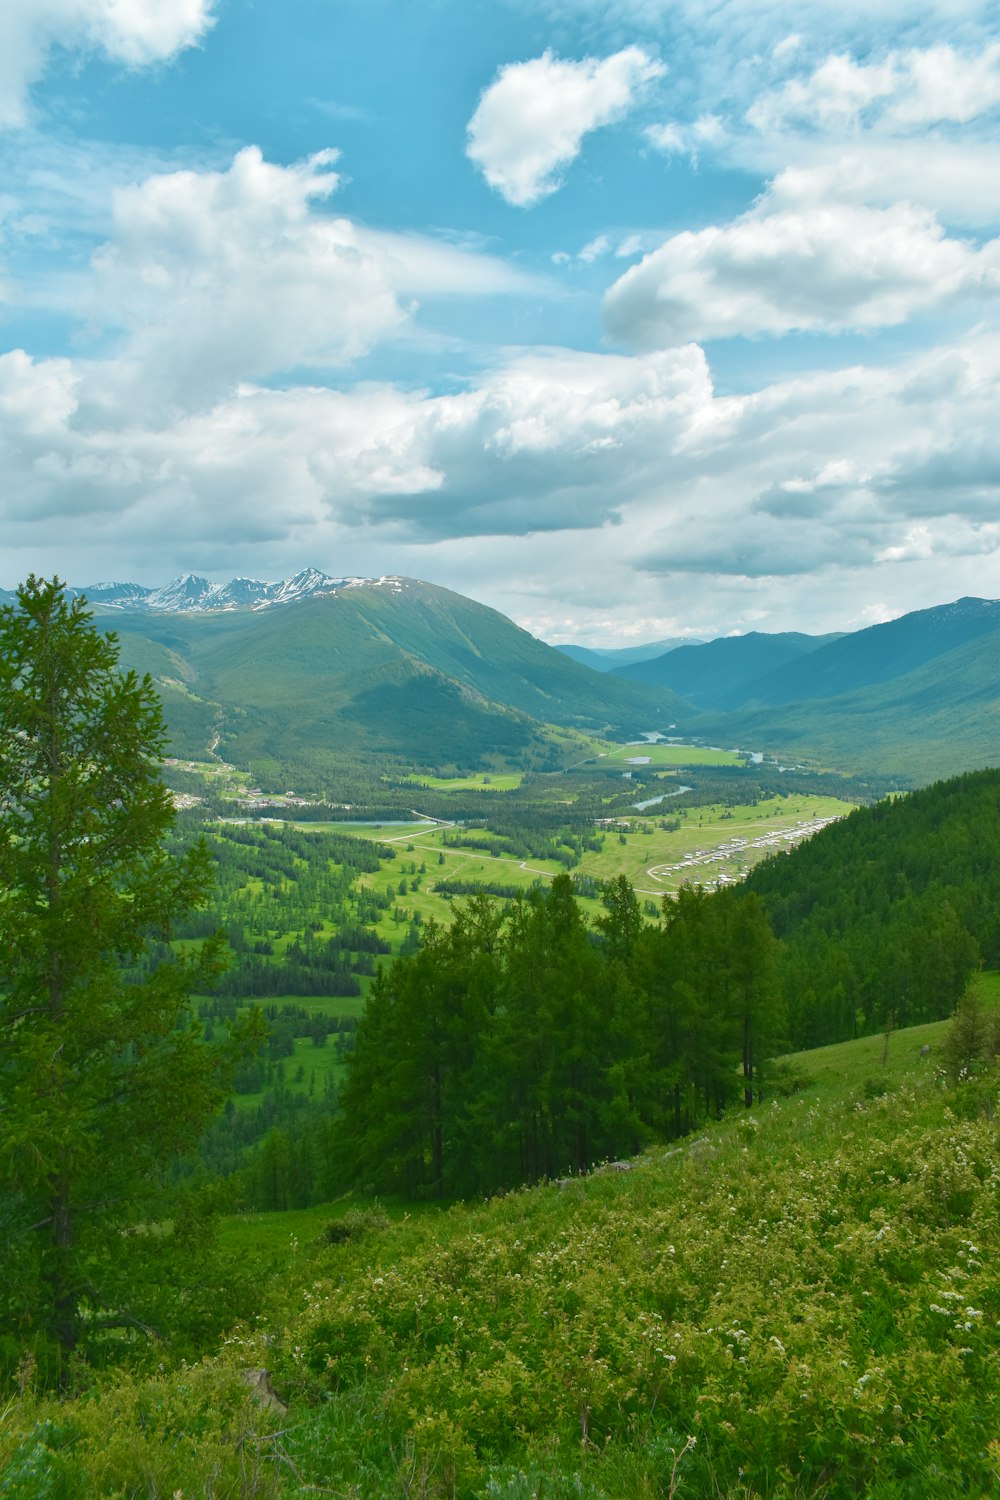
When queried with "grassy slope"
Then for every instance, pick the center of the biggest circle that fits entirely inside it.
(809, 1292)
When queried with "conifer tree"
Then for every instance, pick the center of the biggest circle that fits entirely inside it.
(103, 1075)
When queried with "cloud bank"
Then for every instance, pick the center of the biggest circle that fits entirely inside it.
(668, 478)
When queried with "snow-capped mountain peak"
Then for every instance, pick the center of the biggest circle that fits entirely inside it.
(192, 593)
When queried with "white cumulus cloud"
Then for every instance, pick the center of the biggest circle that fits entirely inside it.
(822, 266)
(223, 276)
(532, 119)
(212, 278)
(905, 90)
(133, 32)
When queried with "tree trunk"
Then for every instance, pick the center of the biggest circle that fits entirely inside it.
(65, 1313)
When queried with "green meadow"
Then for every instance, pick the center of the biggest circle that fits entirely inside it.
(480, 782)
(305, 906)
(671, 756)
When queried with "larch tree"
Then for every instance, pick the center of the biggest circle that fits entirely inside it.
(104, 1076)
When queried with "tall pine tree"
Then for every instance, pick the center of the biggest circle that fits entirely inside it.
(103, 1075)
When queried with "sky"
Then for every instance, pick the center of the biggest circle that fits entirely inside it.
(633, 319)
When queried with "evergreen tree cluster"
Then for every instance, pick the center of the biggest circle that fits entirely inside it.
(104, 1075)
(525, 841)
(517, 1045)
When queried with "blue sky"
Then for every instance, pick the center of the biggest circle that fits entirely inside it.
(631, 319)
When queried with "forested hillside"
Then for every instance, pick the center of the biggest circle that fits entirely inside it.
(883, 915)
(935, 719)
(717, 674)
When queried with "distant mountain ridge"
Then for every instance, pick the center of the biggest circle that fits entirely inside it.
(756, 671)
(877, 654)
(609, 658)
(190, 593)
(417, 676)
(718, 674)
(919, 694)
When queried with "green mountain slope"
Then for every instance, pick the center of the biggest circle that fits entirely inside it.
(403, 671)
(940, 718)
(879, 654)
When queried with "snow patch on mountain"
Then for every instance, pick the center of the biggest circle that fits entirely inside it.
(193, 594)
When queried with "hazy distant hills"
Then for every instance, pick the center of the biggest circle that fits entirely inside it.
(720, 674)
(600, 660)
(918, 695)
(737, 672)
(390, 668)
(939, 718)
(879, 654)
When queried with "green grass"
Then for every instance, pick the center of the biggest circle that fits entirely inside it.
(315, 1064)
(648, 858)
(769, 1290)
(482, 782)
(845, 1066)
(288, 1230)
(671, 756)
(989, 986)
(256, 1234)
